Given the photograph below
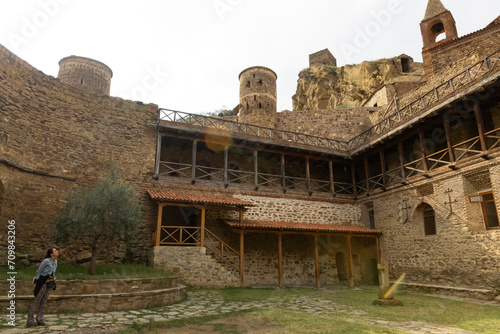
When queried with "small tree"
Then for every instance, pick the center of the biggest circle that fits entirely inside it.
(99, 216)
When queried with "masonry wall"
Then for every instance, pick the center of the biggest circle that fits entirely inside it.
(483, 43)
(463, 253)
(54, 137)
(342, 124)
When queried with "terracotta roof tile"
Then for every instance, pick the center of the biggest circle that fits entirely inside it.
(198, 198)
(289, 226)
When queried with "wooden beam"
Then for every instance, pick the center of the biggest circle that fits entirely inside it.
(447, 132)
(226, 166)
(283, 173)
(308, 175)
(353, 176)
(242, 258)
(202, 233)
(421, 140)
(316, 261)
(332, 180)
(367, 175)
(158, 224)
(284, 232)
(280, 260)
(480, 126)
(349, 262)
(402, 161)
(158, 154)
(384, 167)
(256, 169)
(193, 162)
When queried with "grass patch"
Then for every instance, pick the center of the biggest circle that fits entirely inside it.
(440, 311)
(301, 322)
(260, 294)
(67, 271)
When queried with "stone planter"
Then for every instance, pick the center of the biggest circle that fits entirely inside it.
(102, 295)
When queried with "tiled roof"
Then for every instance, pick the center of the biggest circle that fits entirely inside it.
(289, 226)
(198, 198)
(434, 8)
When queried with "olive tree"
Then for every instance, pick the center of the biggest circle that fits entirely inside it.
(99, 216)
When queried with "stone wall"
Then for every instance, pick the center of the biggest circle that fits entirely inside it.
(102, 295)
(342, 124)
(463, 253)
(483, 42)
(302, 211)
(55, 137)
(193, 266)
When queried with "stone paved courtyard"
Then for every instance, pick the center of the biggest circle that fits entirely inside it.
(203, 303)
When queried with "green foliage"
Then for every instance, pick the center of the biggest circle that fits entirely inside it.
(99, 216)
(71, 271)
(222, 112)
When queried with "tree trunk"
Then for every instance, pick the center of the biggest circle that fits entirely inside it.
(93, 261)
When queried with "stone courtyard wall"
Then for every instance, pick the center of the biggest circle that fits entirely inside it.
(54, 137)
(463, 253)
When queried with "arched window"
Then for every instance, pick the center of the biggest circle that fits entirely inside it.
(429, 220)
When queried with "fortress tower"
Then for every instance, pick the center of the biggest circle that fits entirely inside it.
(85, 73)
(258, 97)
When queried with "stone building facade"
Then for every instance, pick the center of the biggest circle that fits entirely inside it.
(312, 197)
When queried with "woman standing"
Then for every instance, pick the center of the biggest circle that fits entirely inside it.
(45, 281)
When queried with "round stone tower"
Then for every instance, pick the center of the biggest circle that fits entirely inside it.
(85, 73)
(258, 97)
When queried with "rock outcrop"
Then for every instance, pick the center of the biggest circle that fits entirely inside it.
(328, 87)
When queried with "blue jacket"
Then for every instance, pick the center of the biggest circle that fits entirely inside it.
(46, 268)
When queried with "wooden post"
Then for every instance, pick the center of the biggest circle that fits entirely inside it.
(316, 258)
(377, 246)
(158, 155)
(447, 131)
(367, 175)
(332, 180)
(202, 234)
(353, 175)
(242, 257)
(402, 161)
(158, 225)
(384, 167)
(421, 140)
(349, 262)
(193, 162)
(308, 175)
(226, 166)
(256, 169)
(280, 260)
(283, 171)
(480, 126)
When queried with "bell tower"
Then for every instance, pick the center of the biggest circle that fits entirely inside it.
(437, 20)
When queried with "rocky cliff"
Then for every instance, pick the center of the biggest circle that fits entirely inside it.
(328, 87)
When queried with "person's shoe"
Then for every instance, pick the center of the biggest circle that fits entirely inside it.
(31, 324)
(40, 323)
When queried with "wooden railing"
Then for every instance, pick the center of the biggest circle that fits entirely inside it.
(432, 97)
(232, 127)
(222, 250)
(190, 236)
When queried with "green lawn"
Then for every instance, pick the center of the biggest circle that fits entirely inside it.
(67, 271)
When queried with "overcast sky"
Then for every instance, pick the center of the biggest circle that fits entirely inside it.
(187, 54)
